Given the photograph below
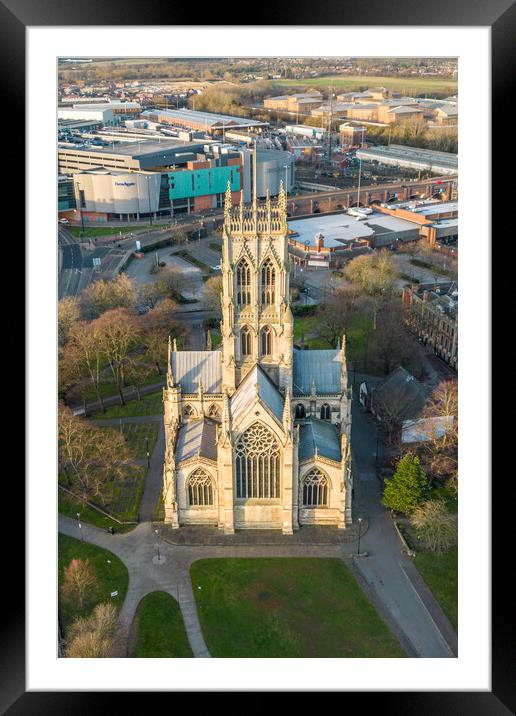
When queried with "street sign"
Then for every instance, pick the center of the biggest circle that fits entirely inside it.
(114, 594)
(96, 261)
(138, 245)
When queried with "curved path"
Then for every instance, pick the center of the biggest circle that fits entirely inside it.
(138, 551)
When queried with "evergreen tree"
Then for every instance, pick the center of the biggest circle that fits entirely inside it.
(408, 487)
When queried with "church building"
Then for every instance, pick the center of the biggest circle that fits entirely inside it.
(257, 432)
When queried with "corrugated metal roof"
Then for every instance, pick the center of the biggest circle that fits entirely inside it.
(189, 367)
(257, 382)
(318, 434)
(196, 438)
(321, 366)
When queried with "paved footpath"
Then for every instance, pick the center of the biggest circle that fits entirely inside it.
(387, 571)
(138, 551)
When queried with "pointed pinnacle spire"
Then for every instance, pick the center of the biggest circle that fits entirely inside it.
(344, 345)
(287, 409)
(225, 411)
(170, 373)
(228, 201)
(200, 390)
(282, 198)
(313, 391)
(209, 344)
(174, 344)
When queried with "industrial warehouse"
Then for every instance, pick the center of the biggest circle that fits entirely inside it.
(132, 180)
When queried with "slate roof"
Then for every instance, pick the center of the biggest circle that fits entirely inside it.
(189, 367)
(320, 434)
(257, 382)
(196, 438)
(322, 366)
(401, 391)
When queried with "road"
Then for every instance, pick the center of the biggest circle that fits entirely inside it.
(387, 570)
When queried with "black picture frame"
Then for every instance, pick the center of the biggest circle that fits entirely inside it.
(500, 16)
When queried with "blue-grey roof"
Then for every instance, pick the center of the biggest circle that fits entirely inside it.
(189, 367)
(196, 438)
(322, 366)
(257, 382)
(318, 434)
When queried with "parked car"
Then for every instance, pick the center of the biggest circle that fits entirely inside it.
(63, 221)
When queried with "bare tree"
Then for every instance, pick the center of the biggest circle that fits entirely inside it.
(156, 326)
(435, 526)
(337, 313)
(68, 311)
(440, 449)
(83, 355)
(94, 636)
(373, 273)
(118, 331)
(79, 580)
(213, 294)
(91, 457)
(172, 282)
(102, 296)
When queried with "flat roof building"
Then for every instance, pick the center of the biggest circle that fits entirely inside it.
(412, 158)
(203, 121)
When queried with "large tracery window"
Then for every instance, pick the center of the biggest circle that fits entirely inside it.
(266, 340)
(245, 341)
(268, 281)
(257, 464)
(315, 489)
(200, 489)
(243, 282)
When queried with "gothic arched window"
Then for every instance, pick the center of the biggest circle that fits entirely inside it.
(188, 412)
(315, 489)
(300, 411)
(257, 464)
(199, 488)
(268, 282)
(243, 283)
(266, 341)
(325, 412)
(245, 341)
(213, 411)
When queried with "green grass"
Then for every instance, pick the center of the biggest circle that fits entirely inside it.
(69, 507)
(191, 259)
(151, 404)
(92, 231)
(160, 631)
(139, 435)
(287, 608)
(356, 336)
(123, 499)
(111, 577)
(306, 326)
(440, 572)
(350, 83)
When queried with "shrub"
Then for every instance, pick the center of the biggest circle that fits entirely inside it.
(408, 487)
(435, 526)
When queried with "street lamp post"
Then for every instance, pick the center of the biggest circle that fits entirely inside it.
(79, 524)
(359, 534)
(148, 454)
(157, 544)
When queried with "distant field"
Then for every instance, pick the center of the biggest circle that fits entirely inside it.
(424, 85)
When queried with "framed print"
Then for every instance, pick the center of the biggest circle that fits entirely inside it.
(243, 355)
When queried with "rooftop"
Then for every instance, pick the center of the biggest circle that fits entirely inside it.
(322, 367)
(318, 437)
(208, 118)
(196, 438)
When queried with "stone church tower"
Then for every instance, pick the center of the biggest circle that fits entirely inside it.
(257, 433)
